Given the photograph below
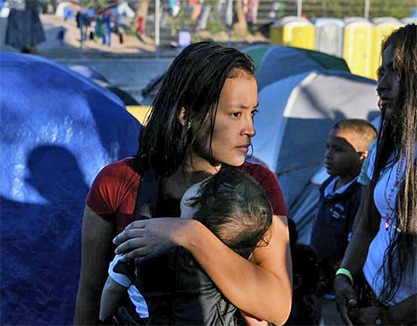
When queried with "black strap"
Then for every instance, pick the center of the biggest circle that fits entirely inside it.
(145, 208)
(147, 199)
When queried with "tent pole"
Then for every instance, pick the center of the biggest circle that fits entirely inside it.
(366, 12)
(157, 27)
(229, 19)
(81, 22)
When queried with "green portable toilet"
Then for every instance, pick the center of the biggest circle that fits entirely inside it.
(329, 36)
(293, 31)
(358, 46)
(384, 26)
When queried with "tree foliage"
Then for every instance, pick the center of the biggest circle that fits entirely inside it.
(356, 8)
(96, 3)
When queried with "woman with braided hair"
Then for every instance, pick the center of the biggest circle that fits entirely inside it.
(383, 249)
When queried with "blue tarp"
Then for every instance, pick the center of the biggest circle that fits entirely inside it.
(58, 129)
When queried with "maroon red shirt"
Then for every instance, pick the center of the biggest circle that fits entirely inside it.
(114, 192)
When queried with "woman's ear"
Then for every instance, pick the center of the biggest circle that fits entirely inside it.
(182, 119)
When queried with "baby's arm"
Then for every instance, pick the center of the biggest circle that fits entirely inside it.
(114, 290)
(252, 321)
(111, 297)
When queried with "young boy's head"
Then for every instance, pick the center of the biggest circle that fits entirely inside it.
(347, 147)
(233, 206)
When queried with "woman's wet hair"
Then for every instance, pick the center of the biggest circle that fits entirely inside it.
(396, 140)
(191, 89)
(235, 208)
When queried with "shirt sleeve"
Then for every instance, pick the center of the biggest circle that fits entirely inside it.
(114, 183)
(119, 278)
(363, 178)
(270, 184)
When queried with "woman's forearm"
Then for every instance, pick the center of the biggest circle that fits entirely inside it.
(262, 287)
(367, 220)
(356, 252)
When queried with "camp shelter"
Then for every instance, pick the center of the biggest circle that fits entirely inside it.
(277, 62)
(121, 8)
(297, 111)
(98, 78)
(72, 5)
(58, 130)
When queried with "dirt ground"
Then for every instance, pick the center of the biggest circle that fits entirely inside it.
(72, 47)
(131, 47)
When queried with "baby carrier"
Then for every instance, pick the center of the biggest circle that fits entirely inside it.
(175, 287)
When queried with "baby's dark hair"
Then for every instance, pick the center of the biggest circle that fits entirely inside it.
(364, 129)
(235, 208)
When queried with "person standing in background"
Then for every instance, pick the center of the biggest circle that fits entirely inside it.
(383, 252)
(24, 28)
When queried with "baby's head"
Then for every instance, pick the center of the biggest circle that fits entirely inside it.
(347, 147)
(233, 206)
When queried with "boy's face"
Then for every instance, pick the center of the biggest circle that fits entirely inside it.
(342, 156)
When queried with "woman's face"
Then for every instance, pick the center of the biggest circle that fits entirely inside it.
(388, 83)
(233, 126)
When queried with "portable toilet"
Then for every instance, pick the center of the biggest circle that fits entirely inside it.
(384, 26)
(293, 31)
(358, 46)
(409, 20)
(329, 36)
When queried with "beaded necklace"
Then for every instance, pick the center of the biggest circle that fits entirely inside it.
(390, 217)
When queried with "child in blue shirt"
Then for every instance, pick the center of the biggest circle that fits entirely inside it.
(346, 150)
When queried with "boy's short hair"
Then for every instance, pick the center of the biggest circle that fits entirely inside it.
(363, 128)
(235, 208)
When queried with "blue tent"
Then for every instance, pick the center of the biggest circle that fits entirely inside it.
(58, 129)
(300, 99)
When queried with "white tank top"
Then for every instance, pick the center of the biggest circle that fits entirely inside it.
(385, 195)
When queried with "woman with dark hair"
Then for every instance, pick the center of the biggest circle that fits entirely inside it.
(202, 117)
(383, 248)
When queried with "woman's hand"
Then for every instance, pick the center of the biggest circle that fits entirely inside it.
(346, 297)
(368, 316)
(266, 278)
(146, 237)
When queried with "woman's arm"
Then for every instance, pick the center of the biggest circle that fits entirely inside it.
(96, 252)
(252, 321)
(262, 288)
(355, 255)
